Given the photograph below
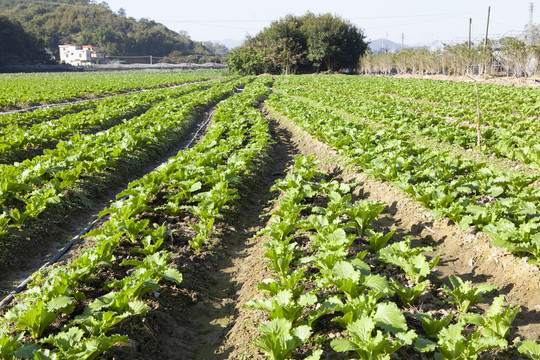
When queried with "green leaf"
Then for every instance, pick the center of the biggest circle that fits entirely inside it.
(425, 345)
(44, 354)
(138, 307)
(173, 275)
(529, 348)
(61, 303)
(495, 191)
(390, 318)
(302, 332)
(345, 270)
(361, 329)
(316, 355)
(378, 283)
(343, 345)
(26, 351)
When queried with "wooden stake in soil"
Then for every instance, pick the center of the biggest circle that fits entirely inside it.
(478, 114)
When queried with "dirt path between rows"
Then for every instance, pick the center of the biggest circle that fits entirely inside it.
(205, 318)
(39, 256)
(488, 79)
(192, 321)
(464, 253)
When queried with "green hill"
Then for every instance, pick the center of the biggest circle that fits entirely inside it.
(86, 22)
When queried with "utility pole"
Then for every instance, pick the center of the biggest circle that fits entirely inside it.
(529, 35)
(151, 60)
(402, 41)
(485, 42)
(470, 26)
(487, 27)
(531, 14)
(469, 66)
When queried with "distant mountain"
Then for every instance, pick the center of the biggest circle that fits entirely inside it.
(229, 43)
(384, 45)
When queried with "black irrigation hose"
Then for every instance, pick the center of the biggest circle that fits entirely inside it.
(32, 108)
(68, 246)
(65, 249)
(203, 125)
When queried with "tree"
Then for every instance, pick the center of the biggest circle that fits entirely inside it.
(285, 44)
(513, 55)
(58, 22)
(17, 47)
(301, 44)
(333, 43)
(247, 59)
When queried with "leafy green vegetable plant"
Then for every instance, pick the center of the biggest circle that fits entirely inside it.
(362, 213)
(463, 294)
(453, 344)
(279, 338)
(529, 348)
(497, 321)
(370, 346)
(408, 294)
(41, 314)
(432, 326)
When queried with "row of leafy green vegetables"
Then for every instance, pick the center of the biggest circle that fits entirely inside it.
(459, 95)
(504, 134)
(17, 136)
(18, 89)
(325, 257)
(501, 204)
(512, 140)
(28, 188)
(201, 181)
(27, 118)
(54, 111)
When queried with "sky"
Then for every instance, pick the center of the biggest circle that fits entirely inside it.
(418, 21)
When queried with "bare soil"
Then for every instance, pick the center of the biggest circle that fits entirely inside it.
(204, 318)
(465, 253)
(488, 79)
(58, 233)
(194, 320)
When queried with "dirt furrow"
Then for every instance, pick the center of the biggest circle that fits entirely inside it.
(199, 318)
(464, 253)
(74, 223)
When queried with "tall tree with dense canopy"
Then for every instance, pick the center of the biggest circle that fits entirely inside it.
(301, 44)
(19, 47)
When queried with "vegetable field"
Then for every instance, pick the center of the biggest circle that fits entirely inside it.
(286, 217)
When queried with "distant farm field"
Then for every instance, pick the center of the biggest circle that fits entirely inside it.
(211, 215)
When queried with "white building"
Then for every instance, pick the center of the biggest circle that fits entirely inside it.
(80, 55)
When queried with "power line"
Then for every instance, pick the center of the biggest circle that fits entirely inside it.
(406, 24)
(352, 18)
